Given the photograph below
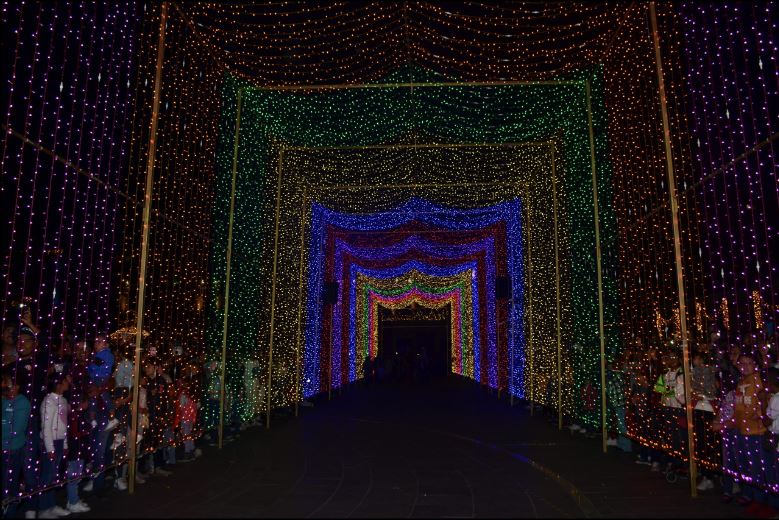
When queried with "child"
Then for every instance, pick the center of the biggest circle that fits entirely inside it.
(123, 384)
(100, 370)
(615, 391)
(666, 387)
(723, 422)
(186, 415)
(704, 390)
(78, 445)
(642, 391)
(16, 414)
(143, 423)
(54, 430)
(772, 437)
(98, 414)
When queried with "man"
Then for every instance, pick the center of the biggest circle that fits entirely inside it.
(748, 416)
(16, 415)
(30, 375)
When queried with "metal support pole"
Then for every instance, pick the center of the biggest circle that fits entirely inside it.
(557, 294)
(223, 363)
(599, 273)
(298, 391)
(677, 248)
(273, 286)
(155, 111)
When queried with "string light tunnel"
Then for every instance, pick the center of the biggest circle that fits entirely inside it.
(615, 162)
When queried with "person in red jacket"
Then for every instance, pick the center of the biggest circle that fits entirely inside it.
(186, 415)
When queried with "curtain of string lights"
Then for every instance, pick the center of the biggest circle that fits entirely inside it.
(69, 73)
(720, 69)
(76, 133)
(730, 74)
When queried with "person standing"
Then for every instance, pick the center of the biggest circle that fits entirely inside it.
(16, 415)
(78, 440)
(671, 408)
(54, 428)
(30, 373)
(186, 415)
(704, 391)
(771, 422)
(615, 390)
(748, 415)
(100, 370)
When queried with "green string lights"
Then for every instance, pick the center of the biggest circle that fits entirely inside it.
(282, 133)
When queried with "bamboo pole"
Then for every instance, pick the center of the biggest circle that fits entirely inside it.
(530, 301)
(557, 294)
(601, 334)
(273, 287)
(133, 441)
(677, 248)
(223, 364)
(298, 391)
(330, 367)
(510, 329)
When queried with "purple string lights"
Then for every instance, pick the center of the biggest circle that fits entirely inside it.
(428, 213)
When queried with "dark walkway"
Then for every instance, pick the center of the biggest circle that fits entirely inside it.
(442, 450)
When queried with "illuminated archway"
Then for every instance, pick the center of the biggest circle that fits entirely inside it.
(387, 284)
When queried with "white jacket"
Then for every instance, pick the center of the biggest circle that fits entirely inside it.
(54, 420)
(672, 381)
(773, 413)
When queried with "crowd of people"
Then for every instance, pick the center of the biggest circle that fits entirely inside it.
(67, 412)
(734, 393)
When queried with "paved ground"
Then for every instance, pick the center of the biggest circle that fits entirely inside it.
(439, 450)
